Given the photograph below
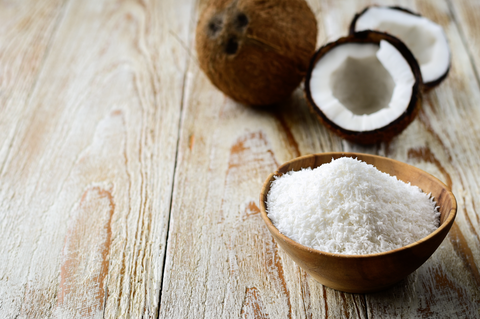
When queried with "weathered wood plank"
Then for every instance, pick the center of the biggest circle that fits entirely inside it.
(219, 260)
(26, 30)
(25, 34)
(467, 16)
(443, 141)
(85, 192)
(87, 153)
(428, 144)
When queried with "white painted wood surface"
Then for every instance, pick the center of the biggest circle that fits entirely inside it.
(129, 184)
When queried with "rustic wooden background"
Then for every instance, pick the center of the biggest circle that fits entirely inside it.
(129, 185)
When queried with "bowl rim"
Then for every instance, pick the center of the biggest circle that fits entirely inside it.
(447, 223)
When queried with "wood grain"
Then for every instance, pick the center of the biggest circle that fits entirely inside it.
(111, 136)
(25, 36)
(85, 202)
(85, 254)
(429, 145)
(466, 15)
(217, 122)
(221, 261)
(26, 32)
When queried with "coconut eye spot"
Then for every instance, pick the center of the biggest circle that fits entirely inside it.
(214, 27)
(232, 46)
(415, 37)
(362, 85)
(241, 21)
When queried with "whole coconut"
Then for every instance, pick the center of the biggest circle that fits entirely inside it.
(256, 51)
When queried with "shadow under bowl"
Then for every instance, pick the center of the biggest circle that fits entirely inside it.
(371, 272)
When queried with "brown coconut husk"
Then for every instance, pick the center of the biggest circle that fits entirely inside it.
(256, 52)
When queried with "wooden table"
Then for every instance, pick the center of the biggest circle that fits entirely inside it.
(129, 184)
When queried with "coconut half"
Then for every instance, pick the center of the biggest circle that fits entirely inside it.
(424, 38)
(365, 87)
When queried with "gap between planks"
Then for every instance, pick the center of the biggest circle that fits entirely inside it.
(189, 57)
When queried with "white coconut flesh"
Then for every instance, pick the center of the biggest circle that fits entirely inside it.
(362, 86)
(424, 38)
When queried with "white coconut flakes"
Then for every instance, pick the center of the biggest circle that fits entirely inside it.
(350, 207)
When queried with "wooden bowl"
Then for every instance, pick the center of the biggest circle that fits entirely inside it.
(371, 272)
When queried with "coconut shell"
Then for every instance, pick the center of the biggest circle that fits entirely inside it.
(390, 130)
(256, 52)
(426, 85)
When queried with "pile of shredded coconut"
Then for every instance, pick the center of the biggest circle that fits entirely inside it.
(350, 207)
